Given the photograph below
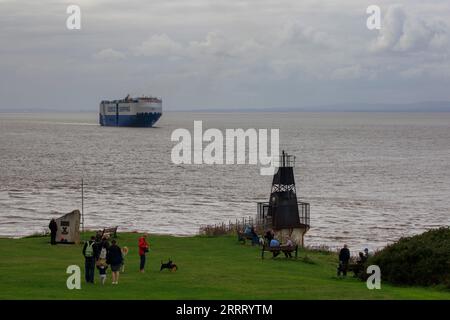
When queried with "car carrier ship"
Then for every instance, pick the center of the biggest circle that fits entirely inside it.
(144, 111)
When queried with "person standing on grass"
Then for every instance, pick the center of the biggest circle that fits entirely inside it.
(143, 249)
(105, 243)
(269, 236)
(89, 260)
(115, 259)
(102, 265)
(98, 236)
(53, 228)
(255, 238)
(366, 253)
(124, 255)
(100, 251)
(344, 258)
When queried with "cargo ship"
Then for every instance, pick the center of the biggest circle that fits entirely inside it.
(143, 111)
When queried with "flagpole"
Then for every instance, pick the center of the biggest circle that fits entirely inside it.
(82, 204)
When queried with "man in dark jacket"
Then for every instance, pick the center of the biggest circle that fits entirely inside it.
(344, 257)
(53, 228)
(115, 259)
(269, 236)
(89, 260)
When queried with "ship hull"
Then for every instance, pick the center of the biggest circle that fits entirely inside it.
(145, 120)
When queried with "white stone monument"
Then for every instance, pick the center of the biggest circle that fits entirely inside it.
(69, 228)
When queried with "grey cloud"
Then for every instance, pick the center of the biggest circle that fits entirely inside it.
(158, 45)
(404, 32)
(199, 53)
(295, 33)
(109, 54)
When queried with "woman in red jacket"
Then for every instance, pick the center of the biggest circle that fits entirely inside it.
(143, 249)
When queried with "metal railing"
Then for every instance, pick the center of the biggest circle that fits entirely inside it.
(261, 222)
(230, 227)
(265, 220)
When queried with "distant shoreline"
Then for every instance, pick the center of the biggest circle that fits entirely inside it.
(422, 106)
(236, 111)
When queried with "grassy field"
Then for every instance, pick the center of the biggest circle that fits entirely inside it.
(209, 268)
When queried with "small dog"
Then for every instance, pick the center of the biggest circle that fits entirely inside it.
(169, 265)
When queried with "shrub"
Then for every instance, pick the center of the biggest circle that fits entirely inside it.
(418, 260)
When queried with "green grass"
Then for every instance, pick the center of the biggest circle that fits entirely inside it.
(209, 268)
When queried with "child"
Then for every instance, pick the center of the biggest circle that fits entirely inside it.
(124, 254)
(102, 265)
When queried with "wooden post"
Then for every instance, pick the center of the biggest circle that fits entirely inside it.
(82, 205)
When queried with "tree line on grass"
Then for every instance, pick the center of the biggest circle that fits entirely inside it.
(422, 260)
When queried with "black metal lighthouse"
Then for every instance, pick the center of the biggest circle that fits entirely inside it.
(284, 214)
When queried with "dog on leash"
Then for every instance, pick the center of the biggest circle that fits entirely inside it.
(169, 265)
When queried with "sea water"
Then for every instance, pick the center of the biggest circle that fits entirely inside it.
(370, 178)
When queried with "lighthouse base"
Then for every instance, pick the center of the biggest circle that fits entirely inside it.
(297, 235)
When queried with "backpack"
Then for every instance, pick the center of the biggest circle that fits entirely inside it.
(103, 253)
(89, 252)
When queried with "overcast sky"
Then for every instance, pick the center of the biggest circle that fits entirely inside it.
(199, 54)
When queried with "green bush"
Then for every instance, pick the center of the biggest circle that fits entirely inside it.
(419, 260)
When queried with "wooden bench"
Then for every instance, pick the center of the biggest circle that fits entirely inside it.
(112, 232)
(283, 249)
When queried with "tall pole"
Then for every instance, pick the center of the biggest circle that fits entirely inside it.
(82, 204)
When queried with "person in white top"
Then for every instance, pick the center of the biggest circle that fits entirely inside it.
(289, 243)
